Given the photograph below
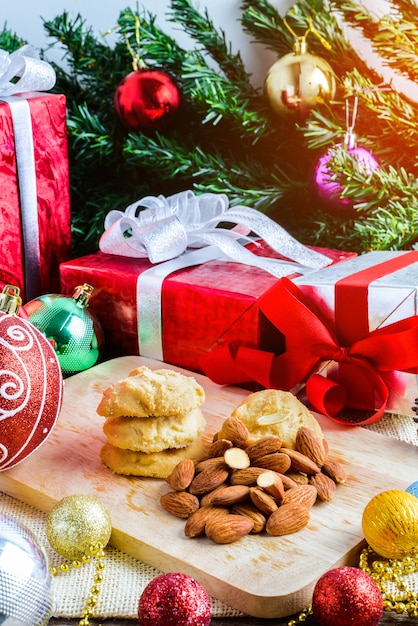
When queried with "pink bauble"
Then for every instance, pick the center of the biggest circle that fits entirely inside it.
(31, 389)
(329, 191)
(347, 596)
(174, 599)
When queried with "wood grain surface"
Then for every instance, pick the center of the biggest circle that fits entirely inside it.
(266, 577)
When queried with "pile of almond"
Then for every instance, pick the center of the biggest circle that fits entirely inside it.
(244, 487)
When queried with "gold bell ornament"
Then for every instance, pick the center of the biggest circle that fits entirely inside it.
(299, 81)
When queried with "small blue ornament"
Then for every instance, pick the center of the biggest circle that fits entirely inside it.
(413, 489)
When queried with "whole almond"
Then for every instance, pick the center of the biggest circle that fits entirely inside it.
(298, 478)
(180, 503)
(218, 448)
(228, 528)
(302, 494)
(287, 480)
(277, 461)
(334, 470)
(300, 462)
(207, 480)
(227, 496)
(263, 501)
(236, 431)
(289, 518)
(325, 486)
(247, 476)
(262, 446)
(214, 462)
(195, 524)
(206, 498)
(182, 475)
(251, 511)
(310, 444)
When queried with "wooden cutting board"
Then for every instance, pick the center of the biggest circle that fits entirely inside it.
(260, 575)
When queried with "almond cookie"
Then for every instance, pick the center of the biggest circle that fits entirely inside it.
(153, 434)
(147, 392)
(275, 412)
(153, 465)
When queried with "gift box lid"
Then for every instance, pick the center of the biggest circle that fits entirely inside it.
(388, 280)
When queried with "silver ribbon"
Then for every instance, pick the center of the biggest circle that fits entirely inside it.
(21, 72)
(183, 230)
(160, 229)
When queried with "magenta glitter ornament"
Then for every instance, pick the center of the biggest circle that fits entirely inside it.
(146, 100)
(347, 596)
(329, 191)
(174, 599)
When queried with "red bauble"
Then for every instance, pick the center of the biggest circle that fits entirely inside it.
(174, 599)
(347, 596)
(31, 389)
(146, 100)
(329, 191)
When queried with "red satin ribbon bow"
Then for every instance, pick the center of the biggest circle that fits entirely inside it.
(360, 377)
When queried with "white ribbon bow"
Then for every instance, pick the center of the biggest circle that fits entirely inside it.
(161, 229)
(31, 73)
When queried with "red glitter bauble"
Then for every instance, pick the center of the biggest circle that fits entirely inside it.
(174, 599)
(347, 596)
(31, 389)
(146, 100)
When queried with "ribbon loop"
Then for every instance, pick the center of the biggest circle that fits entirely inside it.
(22, 71)
(161, 229)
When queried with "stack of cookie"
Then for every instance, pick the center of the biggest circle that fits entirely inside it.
(153, 421)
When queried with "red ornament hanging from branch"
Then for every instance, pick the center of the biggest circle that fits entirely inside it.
(147, 99)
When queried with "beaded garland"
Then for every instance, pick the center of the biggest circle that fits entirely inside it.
(390, 572)
(95, 550)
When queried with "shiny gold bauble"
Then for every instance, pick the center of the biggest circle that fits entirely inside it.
(75, 524)
(390, 524)
(299, 82)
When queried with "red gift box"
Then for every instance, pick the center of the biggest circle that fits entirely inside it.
(350, 335)
(374, 293)
(33, 246)
(199, 304)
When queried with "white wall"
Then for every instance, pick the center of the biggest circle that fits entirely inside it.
(26, 19)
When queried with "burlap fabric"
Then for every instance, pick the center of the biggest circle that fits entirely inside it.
(126, 577)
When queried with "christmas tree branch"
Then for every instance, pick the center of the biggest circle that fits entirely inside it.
(140, 33)
(226, 137)
(201, 28)
(393, 37)
(9, 40)
(244, 182)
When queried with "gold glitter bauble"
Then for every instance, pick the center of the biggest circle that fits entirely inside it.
(390, 524)
(76, 523)
(297, 83)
